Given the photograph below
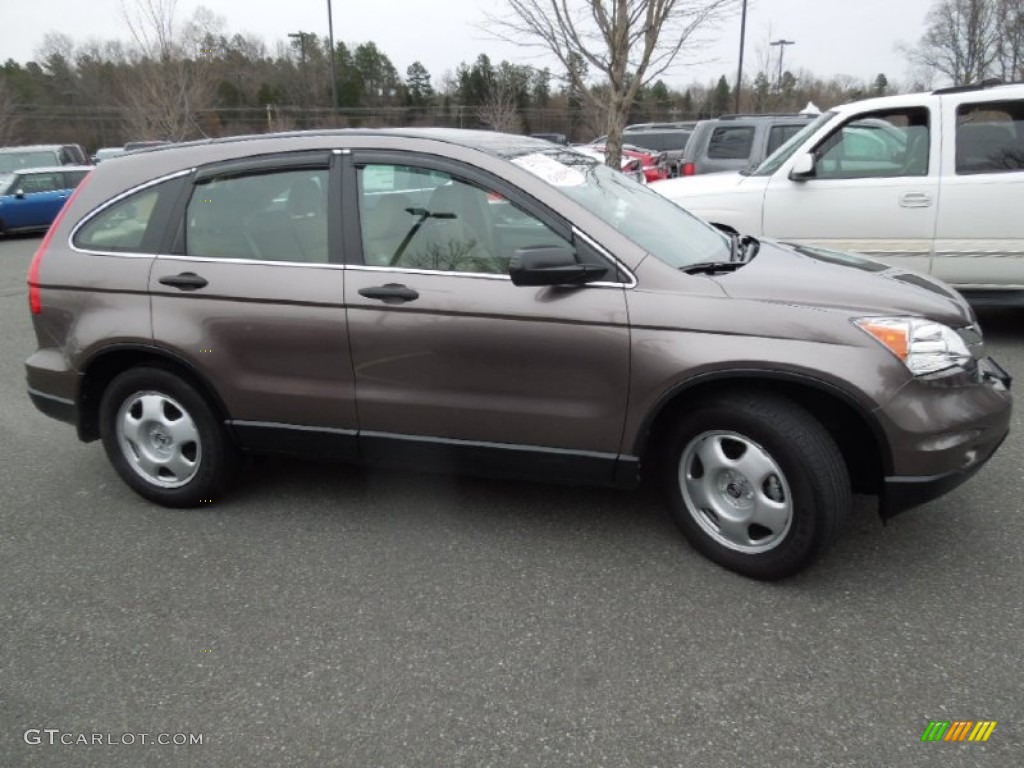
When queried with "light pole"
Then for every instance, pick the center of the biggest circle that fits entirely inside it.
(782, 49)
(334, 68)
(739, 72)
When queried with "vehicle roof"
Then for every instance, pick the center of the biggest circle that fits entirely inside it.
(33, 148)
(48, 169)
(976, 92)
(491, 142)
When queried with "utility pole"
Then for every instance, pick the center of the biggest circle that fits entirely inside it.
(334, 67)
(301, 37)
(782, 49)
(739, 72)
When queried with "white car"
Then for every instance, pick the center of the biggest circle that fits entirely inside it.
(931, 181)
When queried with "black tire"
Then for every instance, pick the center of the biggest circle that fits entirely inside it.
(798, 485)
(171, 448)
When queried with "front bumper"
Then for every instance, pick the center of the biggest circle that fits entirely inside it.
(976, 421)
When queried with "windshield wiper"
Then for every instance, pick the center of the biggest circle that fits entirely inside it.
(711, 267)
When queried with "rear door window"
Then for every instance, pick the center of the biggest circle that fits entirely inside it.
(731, 142)
(990, 137)
(280, 215)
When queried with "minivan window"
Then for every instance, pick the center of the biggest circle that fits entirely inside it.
(278, 216)
(122, 226)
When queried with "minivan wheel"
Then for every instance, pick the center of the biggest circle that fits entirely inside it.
(756, 484)
(163, 438)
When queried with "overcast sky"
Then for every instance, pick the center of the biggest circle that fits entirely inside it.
(851, 37)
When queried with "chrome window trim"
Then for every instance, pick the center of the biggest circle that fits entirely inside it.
(112, 201)
(447, 273)
(630, 283)
(259, 262)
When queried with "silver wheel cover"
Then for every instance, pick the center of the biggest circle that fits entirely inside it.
(158, 439)
(735, 491)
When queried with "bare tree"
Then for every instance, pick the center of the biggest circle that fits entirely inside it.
(9, 121)
(960, 40)
(1010, 40)
(628, 43)
(170, 80)
(500, 110)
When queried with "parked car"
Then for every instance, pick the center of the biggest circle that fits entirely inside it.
(652, 164)
(557, 138)
(929, 181)
(631, 165)
(669, 138)
(30, 199)
(134, 146)
(41, 156)
(481, 302)
(105, 153)
(735, 142)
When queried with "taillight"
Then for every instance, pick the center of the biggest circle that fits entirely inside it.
(689, 169)
(35, 301)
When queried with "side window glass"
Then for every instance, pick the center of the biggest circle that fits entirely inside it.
(779, 135)
(41, 182)
(413, 218)
(990, 137)
(73, 178)
(278, 216)
(731, 143)
(876, 145)
(122, 226)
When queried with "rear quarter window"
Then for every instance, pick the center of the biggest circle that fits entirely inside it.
(124, 225)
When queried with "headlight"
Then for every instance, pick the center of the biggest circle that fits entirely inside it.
(924, 346)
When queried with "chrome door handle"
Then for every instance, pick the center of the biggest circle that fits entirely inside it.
(915, 200)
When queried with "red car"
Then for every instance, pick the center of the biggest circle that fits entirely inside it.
(653, 164)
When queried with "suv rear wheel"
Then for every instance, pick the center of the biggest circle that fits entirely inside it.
(163, 438)
(757, 485)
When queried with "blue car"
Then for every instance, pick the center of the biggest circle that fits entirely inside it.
(30, 199)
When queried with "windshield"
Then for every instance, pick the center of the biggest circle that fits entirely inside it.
(782, 154)
(13, 161)
(6, 179)
(656, 224)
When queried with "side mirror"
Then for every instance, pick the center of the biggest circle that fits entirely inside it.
(803, 167)
(551, 265)
(19, 193)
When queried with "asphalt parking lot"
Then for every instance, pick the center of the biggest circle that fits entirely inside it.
(324, 615)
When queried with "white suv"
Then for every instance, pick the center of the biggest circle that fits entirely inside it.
(932, 181)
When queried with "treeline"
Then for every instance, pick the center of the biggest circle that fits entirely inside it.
(200, 81)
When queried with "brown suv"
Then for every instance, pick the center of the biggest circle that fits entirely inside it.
(497, 304)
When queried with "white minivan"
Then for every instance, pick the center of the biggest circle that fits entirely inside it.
(931, 181)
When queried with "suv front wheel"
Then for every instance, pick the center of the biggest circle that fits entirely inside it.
(163, 438)
(757, 484)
